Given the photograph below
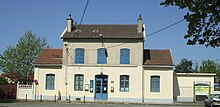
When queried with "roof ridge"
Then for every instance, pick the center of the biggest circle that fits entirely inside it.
(52, 49)
(158, 49)
(106, 24)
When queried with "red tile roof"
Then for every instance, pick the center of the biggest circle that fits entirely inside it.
(49, 56)
(157, 57)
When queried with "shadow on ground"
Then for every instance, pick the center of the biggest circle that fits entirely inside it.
(7, 100)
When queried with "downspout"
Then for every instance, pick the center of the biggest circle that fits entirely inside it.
(143, 84)
(66, 72)
(38, 88)
(140, 32)
(69, 29)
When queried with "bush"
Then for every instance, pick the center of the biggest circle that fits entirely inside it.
(3, 81)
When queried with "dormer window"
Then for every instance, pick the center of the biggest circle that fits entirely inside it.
(95, 31)
(56, 56)
(78, 31)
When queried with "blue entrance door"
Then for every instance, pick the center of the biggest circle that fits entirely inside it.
(101, 87)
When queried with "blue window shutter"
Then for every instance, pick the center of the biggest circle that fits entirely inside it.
(101, 56)
(124, 56)
(79, 56)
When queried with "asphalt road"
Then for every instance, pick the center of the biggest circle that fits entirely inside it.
(51, 104)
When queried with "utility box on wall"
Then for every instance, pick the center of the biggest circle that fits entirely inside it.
(91, 85)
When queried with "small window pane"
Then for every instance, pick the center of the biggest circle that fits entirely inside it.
(124, 83)
(155, 84)
(78, 82)
(50, 81)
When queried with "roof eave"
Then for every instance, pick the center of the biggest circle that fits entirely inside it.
(160, 66)
(197, 74)
(61, 36)
(102, 38)
(38, 55)
(47, 64)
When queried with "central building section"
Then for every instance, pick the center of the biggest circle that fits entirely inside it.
(103, 62)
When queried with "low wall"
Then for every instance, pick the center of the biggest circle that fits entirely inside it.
(25, 91)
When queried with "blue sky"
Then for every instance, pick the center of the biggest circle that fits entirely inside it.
(47, 18)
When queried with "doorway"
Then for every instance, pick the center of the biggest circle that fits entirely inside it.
(101, 87)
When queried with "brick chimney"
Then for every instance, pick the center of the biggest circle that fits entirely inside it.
(69, 23)
(140, 24)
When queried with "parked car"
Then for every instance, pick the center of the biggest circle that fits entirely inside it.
(212, 100)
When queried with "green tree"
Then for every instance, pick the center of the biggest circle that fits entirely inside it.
(185, 66)
(203, 20)
(3, 81)
(18, 60)
(210, 66)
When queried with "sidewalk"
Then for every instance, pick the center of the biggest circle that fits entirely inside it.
(103, 102)
(109, 102)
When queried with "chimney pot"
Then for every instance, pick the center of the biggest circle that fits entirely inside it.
(69, 23)
(140, 24)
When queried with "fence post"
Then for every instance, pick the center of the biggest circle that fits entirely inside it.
(194, 93)
(26, 98)
(55, 98)
(41, 98)
(210, 88)
(84, 100)
(69, 98)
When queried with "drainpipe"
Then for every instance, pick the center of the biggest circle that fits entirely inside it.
(66, 70)
(140, 32)
(143, 84)
(38, 88)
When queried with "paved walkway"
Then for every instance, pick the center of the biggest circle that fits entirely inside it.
(99, 104)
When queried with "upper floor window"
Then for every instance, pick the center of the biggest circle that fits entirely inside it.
(124, 56)
(102, 56)
(78, 82)
(50, 81)
(155, 84)
(79, 56)
(124, 83)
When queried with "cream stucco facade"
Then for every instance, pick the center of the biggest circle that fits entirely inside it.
(112, 69)
(40, 75)
(64, 74)
(146, 76)
(184, 85)
(165, 95)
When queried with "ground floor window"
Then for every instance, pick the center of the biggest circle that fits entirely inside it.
(50, 80)
(124, 83)
(78, 82)
(155, 84)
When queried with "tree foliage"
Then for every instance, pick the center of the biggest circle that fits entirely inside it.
(18, 60)
(185, 66)
(209, 66)
(3, 81)
(203, 20)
